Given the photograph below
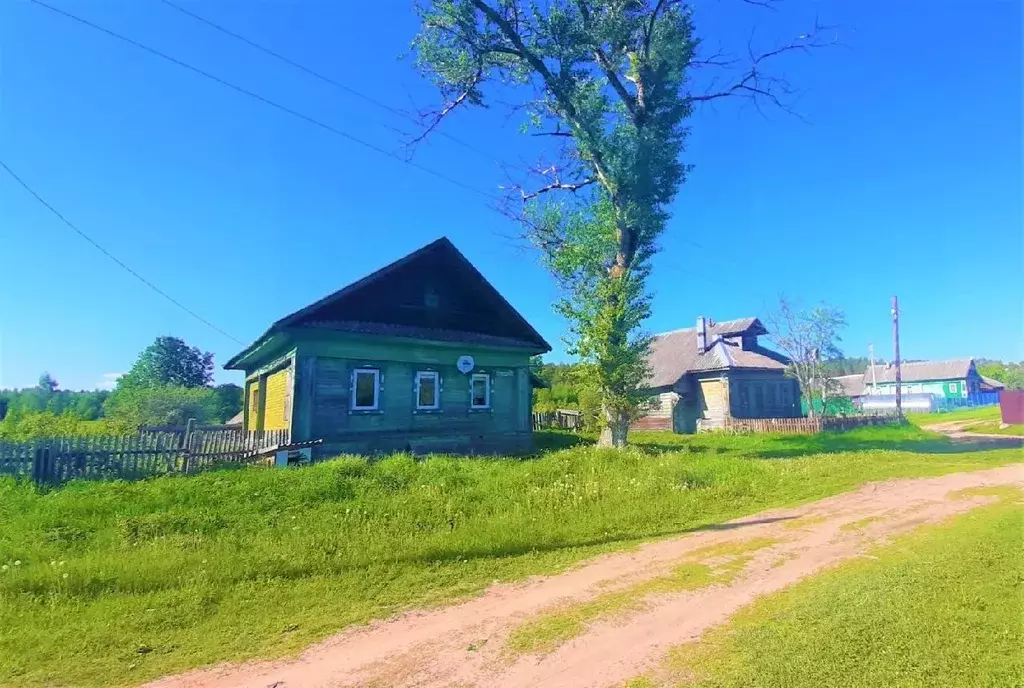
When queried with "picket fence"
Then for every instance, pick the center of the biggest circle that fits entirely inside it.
(803, 426)
(562, 419)
(150, 452)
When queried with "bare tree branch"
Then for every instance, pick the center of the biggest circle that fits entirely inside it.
(754, 84)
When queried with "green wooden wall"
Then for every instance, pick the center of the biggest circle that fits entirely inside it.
(322, 407)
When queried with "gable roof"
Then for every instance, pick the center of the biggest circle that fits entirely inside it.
(851, 385)
(515, 332)
(674, 354)
(921, 371)
(991, 383)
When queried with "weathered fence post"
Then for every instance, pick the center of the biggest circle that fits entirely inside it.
(42, 466)
(186, 444)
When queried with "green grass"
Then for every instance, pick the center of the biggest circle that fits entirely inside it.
(116, 583)
(939, 607)
(549, 630)
(991, 427)
(979, 413)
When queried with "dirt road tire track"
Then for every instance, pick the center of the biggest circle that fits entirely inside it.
(464, 645)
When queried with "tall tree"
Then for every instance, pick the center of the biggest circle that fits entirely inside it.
(47, 383)
(606, 80)
(810, 338)
(170, 361)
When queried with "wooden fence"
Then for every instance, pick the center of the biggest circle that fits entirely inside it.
(803, 426)
(562, 419)
(153, 451)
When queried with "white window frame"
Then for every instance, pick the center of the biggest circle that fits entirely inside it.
(487, 380)
(376, 388)
(436, 377)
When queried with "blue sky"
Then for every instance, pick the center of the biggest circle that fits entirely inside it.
(904, 177)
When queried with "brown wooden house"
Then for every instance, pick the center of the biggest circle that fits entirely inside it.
(704, 375)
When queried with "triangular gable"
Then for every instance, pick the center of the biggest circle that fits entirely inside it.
(434, 288)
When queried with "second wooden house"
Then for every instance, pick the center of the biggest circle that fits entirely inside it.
(705, 375)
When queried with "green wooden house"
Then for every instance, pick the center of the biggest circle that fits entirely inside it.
(423, 355)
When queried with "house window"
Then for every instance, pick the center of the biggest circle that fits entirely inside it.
(365, 389)
(480, 391)
(769, 393)
(428, 389)
(952, 387)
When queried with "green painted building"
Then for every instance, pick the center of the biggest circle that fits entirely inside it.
(956, 379)
(423, 355)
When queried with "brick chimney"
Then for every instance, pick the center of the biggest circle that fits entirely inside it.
(702, 334)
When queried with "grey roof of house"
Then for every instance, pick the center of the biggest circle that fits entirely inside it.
(674, 354)
(237, 419)
(851, 385)
(992, 382)
(921, 371)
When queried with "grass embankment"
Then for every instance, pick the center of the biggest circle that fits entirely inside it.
(939, 607)
(115, 583)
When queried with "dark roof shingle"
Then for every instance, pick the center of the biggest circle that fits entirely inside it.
(921, 371)
(674, 354)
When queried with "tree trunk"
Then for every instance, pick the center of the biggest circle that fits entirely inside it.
(615, 431)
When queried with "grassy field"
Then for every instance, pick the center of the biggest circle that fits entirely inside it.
(115, 583)
(984, 413)
(939, 607)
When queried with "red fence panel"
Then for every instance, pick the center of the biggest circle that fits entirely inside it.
(1011, 406)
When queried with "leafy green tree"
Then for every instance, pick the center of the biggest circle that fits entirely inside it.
(809, 338)
(47, 383)
(1010, 374)
(229, 400)
(170, 361)
(164, 405)
(607, 82)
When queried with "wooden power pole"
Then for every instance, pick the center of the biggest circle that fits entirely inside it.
(896, 356)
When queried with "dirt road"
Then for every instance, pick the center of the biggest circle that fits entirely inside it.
(467, 644)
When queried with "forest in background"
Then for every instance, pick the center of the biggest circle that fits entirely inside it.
(169, 384)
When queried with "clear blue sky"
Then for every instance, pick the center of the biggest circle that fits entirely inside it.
(905, 179)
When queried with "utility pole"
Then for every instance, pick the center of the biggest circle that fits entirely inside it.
(896, 356)
(874, 379)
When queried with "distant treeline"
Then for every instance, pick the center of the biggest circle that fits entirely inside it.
(169, 384)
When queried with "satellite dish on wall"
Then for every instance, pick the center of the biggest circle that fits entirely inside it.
(465, 364)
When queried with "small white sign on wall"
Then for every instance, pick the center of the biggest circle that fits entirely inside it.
(465, 364)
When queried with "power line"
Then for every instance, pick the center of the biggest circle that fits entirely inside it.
(268, 101)
(324, 78)
(114, 258)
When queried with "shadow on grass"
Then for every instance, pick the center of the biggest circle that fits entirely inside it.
(515, 550)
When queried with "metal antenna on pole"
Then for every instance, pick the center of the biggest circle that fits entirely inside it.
(896, 356)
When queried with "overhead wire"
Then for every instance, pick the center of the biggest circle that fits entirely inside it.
(112, 257)
(267, 101)
(324, 78)
(272, 103)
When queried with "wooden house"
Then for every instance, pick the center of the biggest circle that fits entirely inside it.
(704, 375)
(422, 355)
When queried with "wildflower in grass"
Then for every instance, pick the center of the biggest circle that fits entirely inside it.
(17, 562)
(4, 567)
(65, 575)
